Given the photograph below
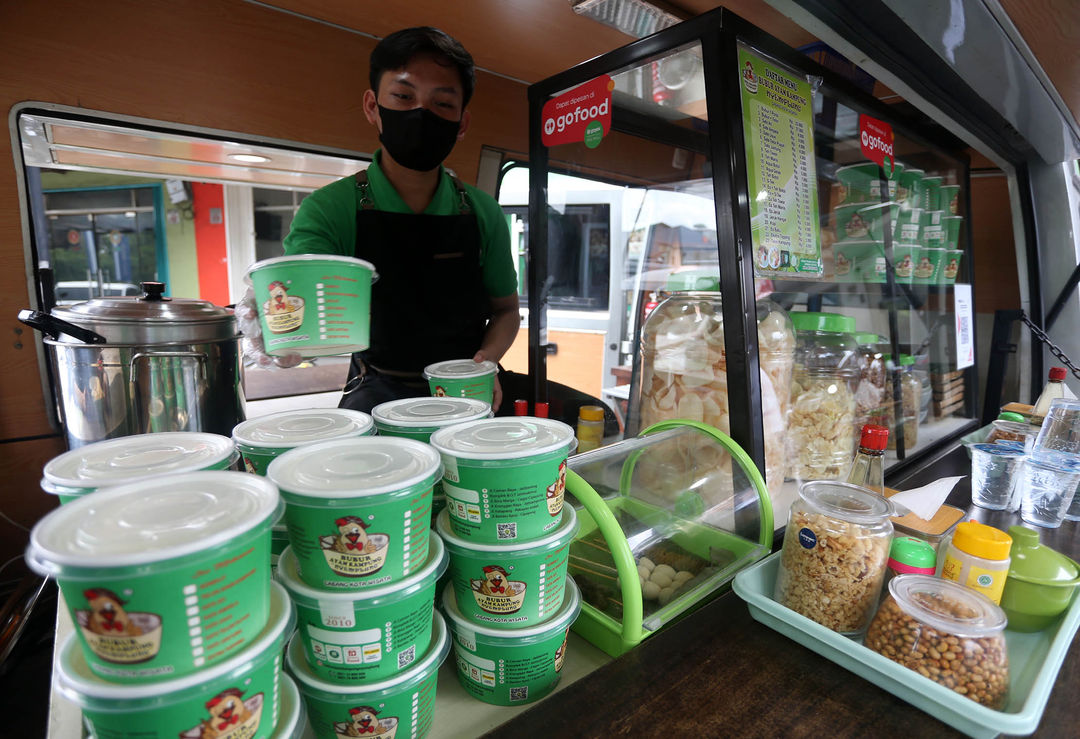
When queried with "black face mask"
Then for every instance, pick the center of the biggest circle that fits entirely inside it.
(417, 138)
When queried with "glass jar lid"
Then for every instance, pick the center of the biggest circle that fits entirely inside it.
(947, 606)
(846, 501)
(829, 322)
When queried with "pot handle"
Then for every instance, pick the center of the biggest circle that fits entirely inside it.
(52, 327)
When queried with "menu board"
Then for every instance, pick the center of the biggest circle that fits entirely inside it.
(778, 128)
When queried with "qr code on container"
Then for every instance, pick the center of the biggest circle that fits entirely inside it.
(406, 656)
(519, 694)
(506, 530)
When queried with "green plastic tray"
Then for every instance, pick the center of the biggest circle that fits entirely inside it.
(1034, 661)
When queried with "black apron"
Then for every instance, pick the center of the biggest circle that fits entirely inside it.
(428, 304)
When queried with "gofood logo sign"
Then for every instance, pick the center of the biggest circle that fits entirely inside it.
(876, 140)
(582, 114)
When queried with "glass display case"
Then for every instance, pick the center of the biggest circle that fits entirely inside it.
(749, 171)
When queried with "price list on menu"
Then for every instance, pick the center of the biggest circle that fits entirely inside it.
(782, 179)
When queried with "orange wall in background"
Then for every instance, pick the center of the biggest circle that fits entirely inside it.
(209, 205)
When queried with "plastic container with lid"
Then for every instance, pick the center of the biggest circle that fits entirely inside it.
(872, 387)
(1054, 388)
(834, 557)
(909, 555)
(1013, 427)
(590, 427)
(977, 556)
(263, 439)
(1041, 582)
(821, 424)
(910, 395)
(947, 633)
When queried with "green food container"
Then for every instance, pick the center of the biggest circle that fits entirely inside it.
(292, 716)
(399, 706)
(950, 266)
(909, 229)
(949, 199)
(103, 464)
(509, 586)
(510, 668)
(165, 577)
(462, 378)
(1040, 585)
(367, 635)
(313, 304)
(237, 697)
(952, 226)
(931, 199)
(910, 190)
(864, 261)
(861, 182)
(928, 266)
(504, 478)
(358, 510)
(905, 257)
(261, 440)
(865, 221)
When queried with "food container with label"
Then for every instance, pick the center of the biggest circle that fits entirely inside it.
(684, 370)
(402, 705)
(667, 519)
(910, 184)
(911, 396)
(508, 586)
(821, 424)
(313, 304)
(834, 556)
(365, 635)
(237, 696)
(931, 187)
(978, 557)
(504, 478)
(265, 438)
(358, 510)
(947, 633)
(137, 561)
(858, 260)
(510, 668)
(861, 183)
(905, 257)
(950, 269)
(866, 221)
(949, 199)
(462, 378)
(104, 464)
(928, 266)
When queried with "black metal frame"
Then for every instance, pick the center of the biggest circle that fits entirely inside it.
(719, 32)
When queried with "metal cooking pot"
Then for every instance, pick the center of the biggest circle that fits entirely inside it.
(133, 365)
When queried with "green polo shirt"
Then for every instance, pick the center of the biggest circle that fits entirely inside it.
(326, 222)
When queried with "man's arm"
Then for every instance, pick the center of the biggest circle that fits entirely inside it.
(501, 331)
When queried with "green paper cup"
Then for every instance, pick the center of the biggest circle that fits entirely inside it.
(861, 183)
(163, 577)
(400, 706)
(510, 668)
(504, 478)
(865, 221)
(292, 716)
(261, 440)
(949, 199)
(911, 186)
(370, 634)
(928, 266)
(313, 304)
(931, 199)
(863, 261)
(509, 586)
(950, 266)
(952, 230)
(358, 510)
(909, 229)
(462, 378)
(103, 464)
(905, 257)
(238, 697)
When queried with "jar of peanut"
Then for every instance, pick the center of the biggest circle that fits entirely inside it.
(946, 632)
(834, 557)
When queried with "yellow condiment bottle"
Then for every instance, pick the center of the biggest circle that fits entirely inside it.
(978, 557)
(590, 427)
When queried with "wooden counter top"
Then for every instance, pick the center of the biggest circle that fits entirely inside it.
(720, 673)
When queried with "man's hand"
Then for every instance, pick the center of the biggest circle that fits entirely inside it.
(247, 318)
(496, 399)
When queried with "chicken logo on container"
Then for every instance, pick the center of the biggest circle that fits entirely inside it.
(352, 551)
(113, 633)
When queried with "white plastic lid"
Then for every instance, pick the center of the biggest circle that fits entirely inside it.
(460, 368)
(294, 428)
(295, 258)
(346, 468)
(503, 438)
(129, 458)
(430, 412)
(153, 520)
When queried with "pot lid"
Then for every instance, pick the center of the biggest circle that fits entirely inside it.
(1035, 563)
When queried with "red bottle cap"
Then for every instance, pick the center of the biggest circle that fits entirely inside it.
(1057, 373)
(874, 437)
(541, 410)
(521, 407)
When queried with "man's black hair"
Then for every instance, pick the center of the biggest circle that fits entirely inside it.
(395, 51)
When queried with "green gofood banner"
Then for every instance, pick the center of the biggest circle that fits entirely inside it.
(778, 128)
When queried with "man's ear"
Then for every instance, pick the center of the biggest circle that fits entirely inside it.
(371, 109)
(464, 126)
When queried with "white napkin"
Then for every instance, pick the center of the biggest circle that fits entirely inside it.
(925, 501)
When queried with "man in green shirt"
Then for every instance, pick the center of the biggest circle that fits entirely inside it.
(447, 288)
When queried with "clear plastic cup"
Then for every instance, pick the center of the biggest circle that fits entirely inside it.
(995, 469)
(1060, 431)
(1046, 491)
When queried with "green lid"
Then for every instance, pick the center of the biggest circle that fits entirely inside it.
(1034, 563)
(1010, 416)
(831, 322)
(908, 550)
(906, 360)
(702, 279)
(868, 337)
